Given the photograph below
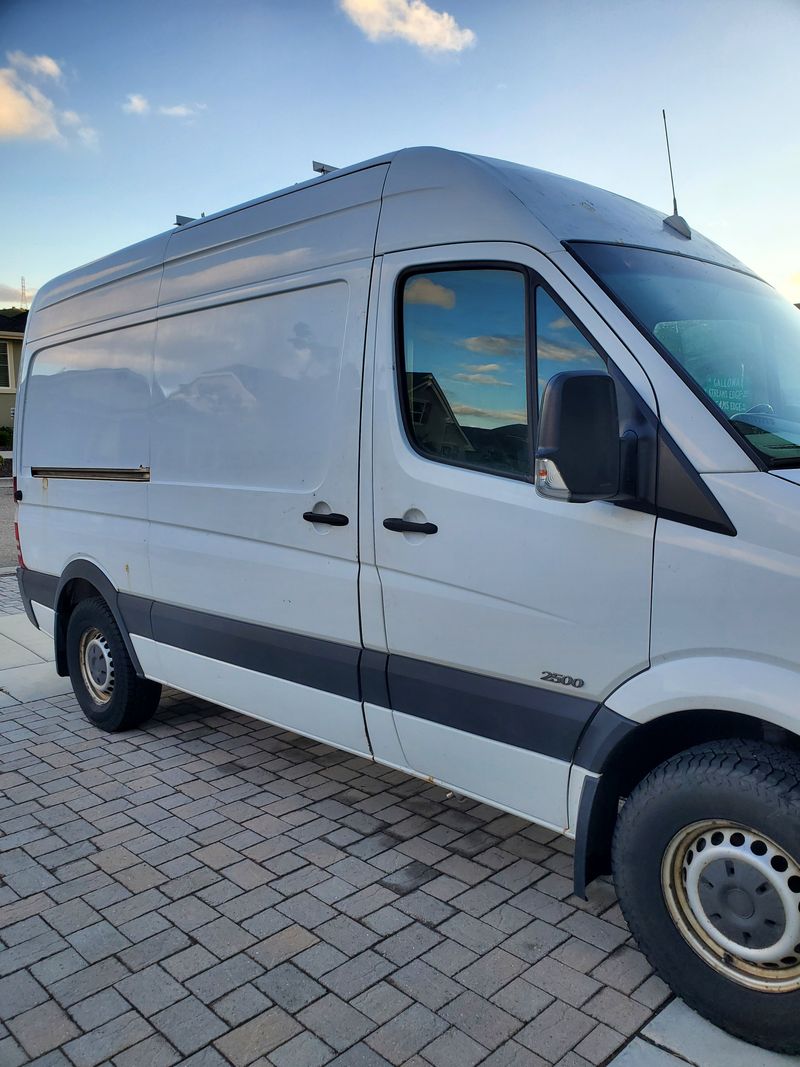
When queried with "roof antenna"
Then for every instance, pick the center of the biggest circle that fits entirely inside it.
(322, 168)
(675, 222)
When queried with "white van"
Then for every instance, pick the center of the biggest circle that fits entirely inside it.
(481, 472)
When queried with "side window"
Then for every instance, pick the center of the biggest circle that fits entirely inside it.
(560, 345)
(465, 368)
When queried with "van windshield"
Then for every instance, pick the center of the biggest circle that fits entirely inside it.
(729, 333)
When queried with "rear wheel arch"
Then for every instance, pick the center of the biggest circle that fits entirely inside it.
(635, 754)
(82, 580)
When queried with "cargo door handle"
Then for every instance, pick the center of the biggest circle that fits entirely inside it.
(406, 526)
(332, 518)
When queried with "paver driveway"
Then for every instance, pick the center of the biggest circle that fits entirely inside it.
(214, 890)
(212, 880)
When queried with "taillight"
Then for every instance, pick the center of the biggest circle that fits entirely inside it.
(20, 560)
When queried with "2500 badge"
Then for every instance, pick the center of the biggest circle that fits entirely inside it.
(562, 679)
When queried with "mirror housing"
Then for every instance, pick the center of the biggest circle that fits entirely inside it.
(578, 452)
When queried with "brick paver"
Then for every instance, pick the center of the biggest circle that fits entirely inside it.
(10, 600)
(214, 890)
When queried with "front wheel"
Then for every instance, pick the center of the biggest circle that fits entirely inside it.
(103, 677)
(707, 867)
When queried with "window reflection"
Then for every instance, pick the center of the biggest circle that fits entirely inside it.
(466, 367)
(99, 383)
(560, 346)
(246, 394)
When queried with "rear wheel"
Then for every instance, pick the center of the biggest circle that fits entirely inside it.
(104, 680)
(707, 867)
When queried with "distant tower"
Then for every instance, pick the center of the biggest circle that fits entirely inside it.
(23, 294)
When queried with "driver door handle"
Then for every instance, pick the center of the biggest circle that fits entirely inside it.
(406, 526)
(332, 518)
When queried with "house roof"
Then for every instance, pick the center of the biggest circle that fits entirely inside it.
(419, 380)
(12, 320)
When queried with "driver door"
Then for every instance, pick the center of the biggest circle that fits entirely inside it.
(508, 618)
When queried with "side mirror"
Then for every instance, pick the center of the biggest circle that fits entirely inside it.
(578, 453)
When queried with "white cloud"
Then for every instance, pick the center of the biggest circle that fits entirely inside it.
(177, 111)
(85, 133)
(422, 290)
(38, 66)
(182, 111)
(25, 112)
(495, 346)
(579, 353)
(88, 136)
(136, 104)
(480, 379)
(482, 368)
(501, 417)
(411, 20)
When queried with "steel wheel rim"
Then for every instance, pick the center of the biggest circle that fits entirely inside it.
(97, 665)
(734, 895)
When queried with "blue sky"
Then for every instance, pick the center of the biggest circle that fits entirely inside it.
(241, 95)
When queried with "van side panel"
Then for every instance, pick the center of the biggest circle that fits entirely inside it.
(86, 405)
(255, 423)
(118, 284)
(306, 229)
(246, 393)
(305, 709)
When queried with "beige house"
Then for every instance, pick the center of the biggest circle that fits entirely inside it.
(12, 328)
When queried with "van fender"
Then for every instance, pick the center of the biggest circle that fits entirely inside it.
(759, 691)
(592, 800)
(91, 573)
(744, 686)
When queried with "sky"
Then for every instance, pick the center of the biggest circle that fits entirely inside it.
(116, 116)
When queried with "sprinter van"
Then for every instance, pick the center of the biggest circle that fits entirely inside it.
(471, 469)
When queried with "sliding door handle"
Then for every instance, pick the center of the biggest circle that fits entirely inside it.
(331, 518)
(406, 526)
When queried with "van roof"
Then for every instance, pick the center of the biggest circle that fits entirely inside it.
(569, 210)
(429, 196)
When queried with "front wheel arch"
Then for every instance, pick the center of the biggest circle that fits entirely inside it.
(638, 752)
(729, 811)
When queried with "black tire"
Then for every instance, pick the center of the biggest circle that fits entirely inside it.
(749, 784)
(130, 700)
